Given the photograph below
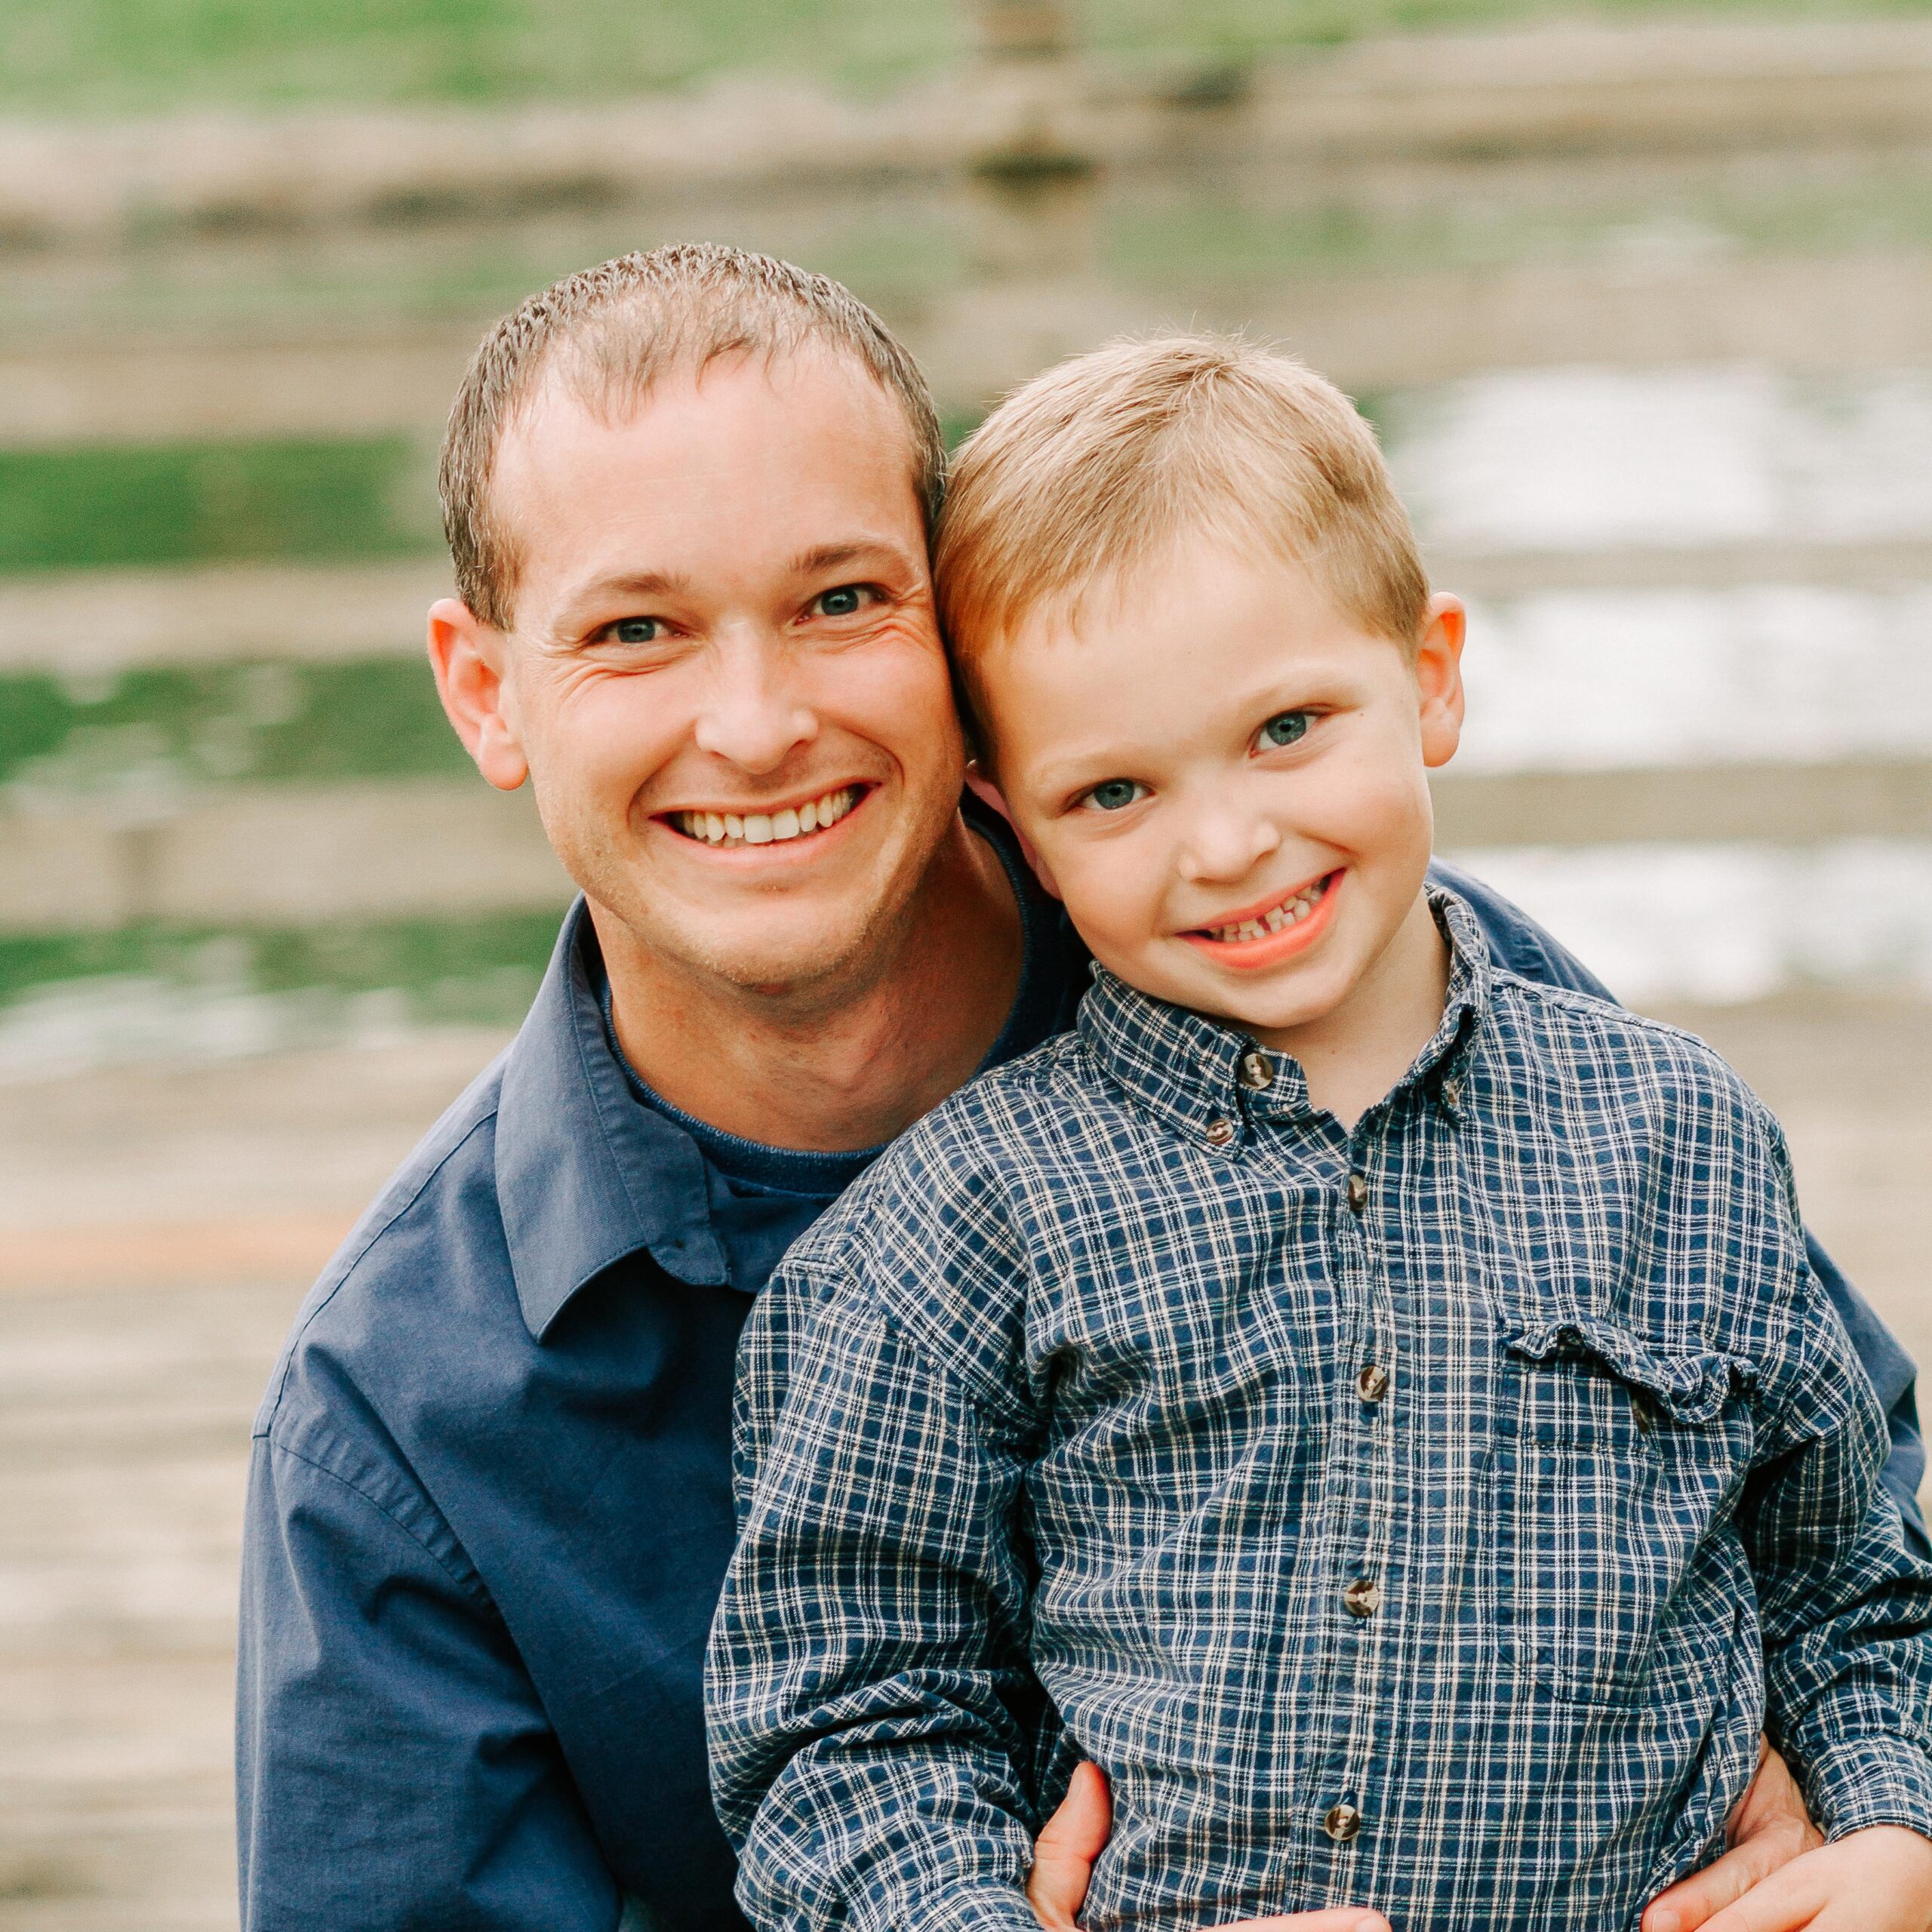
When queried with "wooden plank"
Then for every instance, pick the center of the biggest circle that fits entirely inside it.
(1367, 331)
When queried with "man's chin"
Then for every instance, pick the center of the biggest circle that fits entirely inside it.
(768, 955)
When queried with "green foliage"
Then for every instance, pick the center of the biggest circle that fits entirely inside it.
(182, 502)
(476, 970)
(123, 56)
(190, 727)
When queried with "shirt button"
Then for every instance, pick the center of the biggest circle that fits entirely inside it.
(1372, 1382)
(1363, 1597)
(1257, 1071)
(1341, 1822)
(1220, 1130)
(1452, 1090)
(1357, 1193)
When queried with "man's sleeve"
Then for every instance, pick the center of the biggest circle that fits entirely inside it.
(1844, 1606)
(870, 1702)
(1519, 944)
(395, 1770)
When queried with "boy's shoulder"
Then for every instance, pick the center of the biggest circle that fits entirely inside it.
(1001, 1135)
(944, 1237)
(1593, 1059)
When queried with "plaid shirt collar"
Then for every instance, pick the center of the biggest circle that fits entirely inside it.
(1207, 1080)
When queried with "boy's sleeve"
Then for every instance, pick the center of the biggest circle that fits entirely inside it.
(1844, 1602)
(870, 1704)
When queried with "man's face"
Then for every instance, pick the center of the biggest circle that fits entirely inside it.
(1223, 778)
(724, 673)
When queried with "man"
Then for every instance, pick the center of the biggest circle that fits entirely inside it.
(688, 495)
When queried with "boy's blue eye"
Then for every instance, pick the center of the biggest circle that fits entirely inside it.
(1115, 794)
(636, 630)
(840, 603)
(1285, 727)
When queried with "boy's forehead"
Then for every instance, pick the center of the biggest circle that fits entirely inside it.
(1163, 653)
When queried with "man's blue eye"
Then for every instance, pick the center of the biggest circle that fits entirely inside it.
(840, 603)
(1285, 726)
(1114, 794)
(636, 630)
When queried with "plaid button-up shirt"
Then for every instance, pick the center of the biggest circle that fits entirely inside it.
(1427, 1516)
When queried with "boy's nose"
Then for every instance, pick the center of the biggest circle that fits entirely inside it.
(1222, 846)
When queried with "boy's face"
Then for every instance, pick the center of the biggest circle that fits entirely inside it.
(1222, 777)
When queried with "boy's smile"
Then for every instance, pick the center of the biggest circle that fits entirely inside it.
(1224, 778)
(1263, 935)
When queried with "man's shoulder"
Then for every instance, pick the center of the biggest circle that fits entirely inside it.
(432, 1238)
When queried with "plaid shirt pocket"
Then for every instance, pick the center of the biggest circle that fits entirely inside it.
(1615, 1457)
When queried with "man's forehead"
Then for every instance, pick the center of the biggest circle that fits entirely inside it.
(798, 402)
(713, 486)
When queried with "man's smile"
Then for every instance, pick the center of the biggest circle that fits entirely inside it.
(782, 826)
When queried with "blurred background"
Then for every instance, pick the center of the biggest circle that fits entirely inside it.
(1640, 298)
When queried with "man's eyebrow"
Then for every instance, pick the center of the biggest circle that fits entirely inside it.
(636, 584)
(834, 556)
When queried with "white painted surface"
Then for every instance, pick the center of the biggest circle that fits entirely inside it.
(1723, 924)
(1623, 679)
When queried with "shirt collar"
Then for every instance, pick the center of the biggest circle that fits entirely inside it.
(585, 1176)
(1206, 1079)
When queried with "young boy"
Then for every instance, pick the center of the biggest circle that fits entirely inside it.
(1382, 1405)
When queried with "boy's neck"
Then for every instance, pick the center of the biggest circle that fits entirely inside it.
(1355, 1055)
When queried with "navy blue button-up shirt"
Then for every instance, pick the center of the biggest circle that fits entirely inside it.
(489, 1511)
(1064, 1394)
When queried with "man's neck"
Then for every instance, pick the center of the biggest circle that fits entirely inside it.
(1354, 1056)
(849, 1062)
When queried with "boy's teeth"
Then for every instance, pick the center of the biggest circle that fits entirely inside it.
(766, 828)
(1272, 920)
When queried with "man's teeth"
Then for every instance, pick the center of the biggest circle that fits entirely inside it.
(1273, 920)
(766, 828)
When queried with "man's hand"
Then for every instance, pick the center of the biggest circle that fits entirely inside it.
(1076, 1834)
(1875, 1881)
(1767, 1830)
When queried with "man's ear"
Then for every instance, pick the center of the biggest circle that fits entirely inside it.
(982, 787)
(467, 657)
(1439, 678)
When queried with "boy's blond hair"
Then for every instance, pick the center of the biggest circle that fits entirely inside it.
(1099, 464)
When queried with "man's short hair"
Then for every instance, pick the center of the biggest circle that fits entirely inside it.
(1101, 463)
(609, 333)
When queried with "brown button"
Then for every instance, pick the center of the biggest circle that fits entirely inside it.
(1363, 1597)
(1257, 1071)
(1220, 1130)
(1372, 1382)
(1357, 1193)
(1452, 1091)
(1341, 1822)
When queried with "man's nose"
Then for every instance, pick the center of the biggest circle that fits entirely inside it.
(1220, 847)
(753, 716)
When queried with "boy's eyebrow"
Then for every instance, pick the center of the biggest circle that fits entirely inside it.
(1083, 768)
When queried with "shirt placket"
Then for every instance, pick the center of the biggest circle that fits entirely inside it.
(1361, 1588)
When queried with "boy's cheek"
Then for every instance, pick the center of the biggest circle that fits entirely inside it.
(1107, 896)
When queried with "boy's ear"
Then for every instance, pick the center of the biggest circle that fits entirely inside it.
(1439, 678)
(467, 656)
(983, 788)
